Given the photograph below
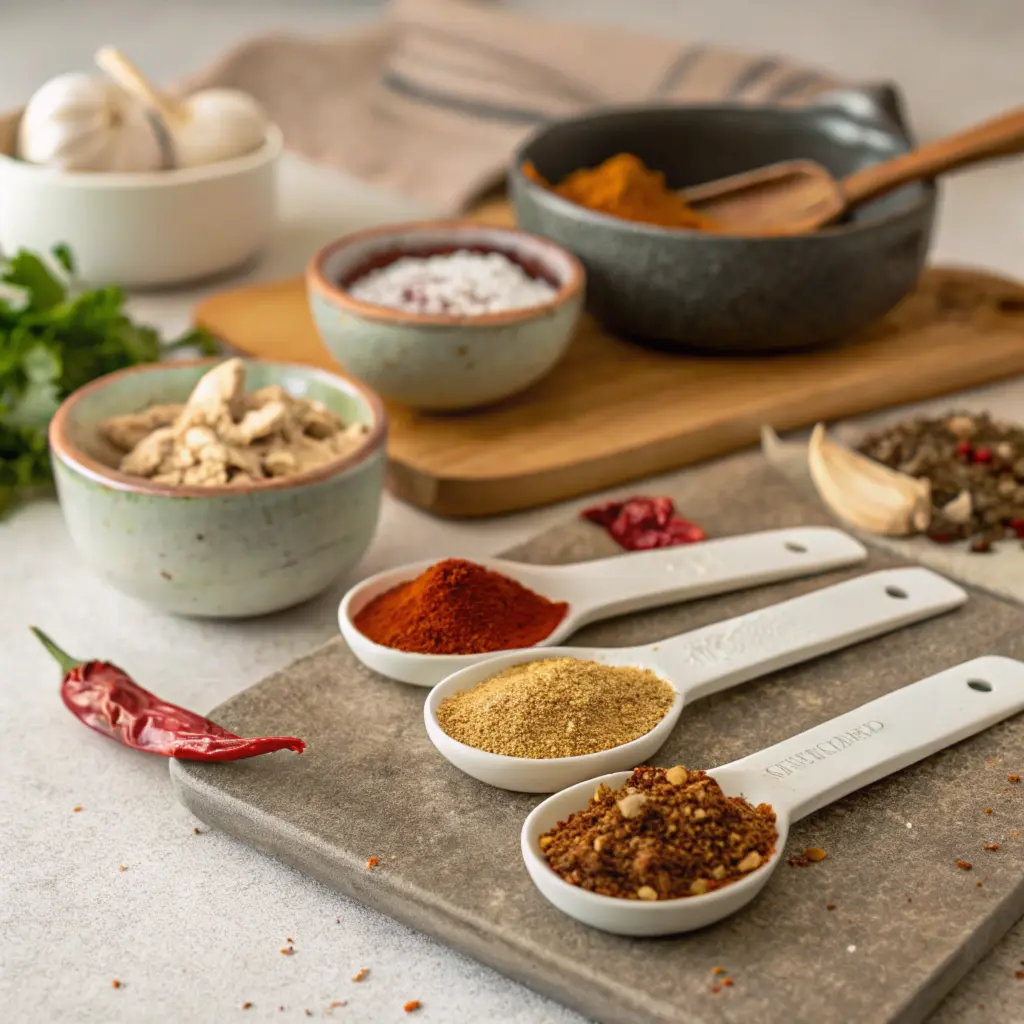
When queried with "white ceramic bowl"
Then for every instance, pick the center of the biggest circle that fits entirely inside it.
(145, 230)
(440, 362)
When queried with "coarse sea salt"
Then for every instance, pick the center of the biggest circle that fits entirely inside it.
(461, 283)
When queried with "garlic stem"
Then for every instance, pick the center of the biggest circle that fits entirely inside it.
(132, 80)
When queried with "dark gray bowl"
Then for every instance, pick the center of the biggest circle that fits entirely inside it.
(685, 289)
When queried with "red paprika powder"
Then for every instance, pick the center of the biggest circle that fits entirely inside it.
(459, 607)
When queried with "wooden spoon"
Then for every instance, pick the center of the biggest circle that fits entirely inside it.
(797, 196)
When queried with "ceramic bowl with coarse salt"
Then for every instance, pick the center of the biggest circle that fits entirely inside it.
(490, 314)
(226, 551)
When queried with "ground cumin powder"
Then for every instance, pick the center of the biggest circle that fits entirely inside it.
(558, 707)
(664, 835)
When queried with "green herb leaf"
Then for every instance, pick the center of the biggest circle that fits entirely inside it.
(52, 341)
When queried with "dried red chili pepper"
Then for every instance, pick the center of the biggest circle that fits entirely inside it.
(106, 699)
(641, 523)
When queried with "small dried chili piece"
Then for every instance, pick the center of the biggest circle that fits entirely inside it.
(641, 523)
(106, 699)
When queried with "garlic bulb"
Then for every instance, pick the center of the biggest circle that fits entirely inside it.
(205, 128)
(78, 122)
(864, 493)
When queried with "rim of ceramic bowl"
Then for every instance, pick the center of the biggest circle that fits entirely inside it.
(270, 149)
(70, 454)
(318, 281)
(927, 199)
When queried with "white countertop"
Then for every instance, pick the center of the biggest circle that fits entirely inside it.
(193, 926)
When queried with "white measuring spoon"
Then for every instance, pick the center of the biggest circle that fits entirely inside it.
(797, 777)
(613, 586)
(703, 662)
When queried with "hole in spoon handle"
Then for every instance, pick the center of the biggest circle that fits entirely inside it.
(823, 764)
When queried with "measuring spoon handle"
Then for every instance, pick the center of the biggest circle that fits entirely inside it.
(1000, 136)
(648, 579)
(823, 764)
(728, 653)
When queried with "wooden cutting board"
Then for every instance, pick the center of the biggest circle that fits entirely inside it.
(612, 412)
(905, 925)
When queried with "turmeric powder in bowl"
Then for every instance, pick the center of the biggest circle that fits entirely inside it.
(623, 186)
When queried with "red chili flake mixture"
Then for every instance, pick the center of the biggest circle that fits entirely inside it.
(964, 865)
(413, 1004)
(372, 863)
(361, 973)
(641, 523)
(103, 697)
(663, 835)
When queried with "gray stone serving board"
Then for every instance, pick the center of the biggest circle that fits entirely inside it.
(371, 784)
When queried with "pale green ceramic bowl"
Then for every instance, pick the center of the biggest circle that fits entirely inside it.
(224, 552)
(442, 363)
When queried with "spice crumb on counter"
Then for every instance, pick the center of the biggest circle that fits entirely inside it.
(988, 810)
(361, 974)
(115, 983)
(77, 808)
(727, 982)
(964, 865)
(830, 906)
(413, 1004)
(196, 832)
(122, 867)
(719, 970)
(288, 950)
(246, 1006)
(372, 863)
(990, 846)
(814, 854)
(1013, 778)
(1019, 975)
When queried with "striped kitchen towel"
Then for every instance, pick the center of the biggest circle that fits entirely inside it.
(433, 100)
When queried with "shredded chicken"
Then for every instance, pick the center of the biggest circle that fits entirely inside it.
(223, 436)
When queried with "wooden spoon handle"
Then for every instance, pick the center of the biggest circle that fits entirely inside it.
(132, 80)
(1001, 136)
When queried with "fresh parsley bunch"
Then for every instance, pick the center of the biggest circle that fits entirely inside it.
(54, 339)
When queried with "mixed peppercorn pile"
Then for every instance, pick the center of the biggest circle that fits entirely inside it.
(975, 465)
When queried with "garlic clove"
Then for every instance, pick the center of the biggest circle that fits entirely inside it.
(864, 493)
